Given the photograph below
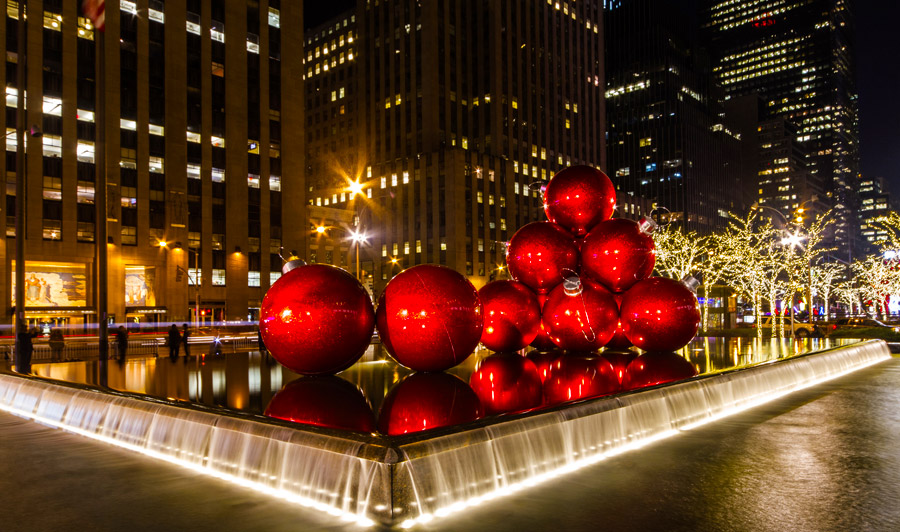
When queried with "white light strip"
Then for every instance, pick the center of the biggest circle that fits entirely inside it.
(288, 496)
(762, 399)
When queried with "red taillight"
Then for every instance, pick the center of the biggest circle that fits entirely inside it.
(833, 327)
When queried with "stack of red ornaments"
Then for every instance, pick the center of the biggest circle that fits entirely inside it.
(589, 276)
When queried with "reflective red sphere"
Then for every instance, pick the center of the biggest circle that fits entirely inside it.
(618, 254)
(660, 314)
(580, 322)
(507, 382)
(512, 315)
(573, 377)
(541, 255)
(543, 360)
(323, 401)
(620, 359)
(657, 367)
(425, 401)
(316, 319)
(429, 318)
(578, 198)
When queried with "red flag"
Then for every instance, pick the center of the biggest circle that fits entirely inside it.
(96, 11)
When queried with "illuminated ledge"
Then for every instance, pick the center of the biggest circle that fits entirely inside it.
(412, 480)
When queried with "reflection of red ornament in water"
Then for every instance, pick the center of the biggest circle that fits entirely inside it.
(578, 198)
(618, 253)
(657, 367)
(619, 360)
(316, 319)
(512, 315)
(540, 255)
(575, 377)
(660, 314)
(580, 315)
(323, 401)
(543, 360)
(507, 382)
(429, 318)
(425, 401)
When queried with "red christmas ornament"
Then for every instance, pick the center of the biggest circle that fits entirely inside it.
(619, 253)
(543, 360)
(512, 315)
(657, 367)
(541, 255)
(425, 401)
(578, 198)
(507, 382)
(619, 360)
(580, 315)
(323, 401)
(574, 377)
(660, 314)
(619, 340)
(316, 319)
(429, 318)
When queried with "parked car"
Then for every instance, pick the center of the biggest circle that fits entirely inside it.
(801, 329)
(860, 323)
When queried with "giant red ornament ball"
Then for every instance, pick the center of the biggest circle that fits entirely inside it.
(580, 315)
(429, 318)
(618, 253)
(316, 319)
(660, 314)
(507, 382)
(657, 367)
(578, 198)
(425, 401)
(541, 255)
(573, 377)
(512, 315)
(323, 401)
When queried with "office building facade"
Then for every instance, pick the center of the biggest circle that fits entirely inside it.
(667, 138)
(798, 56)
(203, 160)
(448, 114)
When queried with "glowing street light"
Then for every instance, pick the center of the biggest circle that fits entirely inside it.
(355, 187)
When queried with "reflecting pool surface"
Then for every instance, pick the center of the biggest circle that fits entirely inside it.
(377, 392)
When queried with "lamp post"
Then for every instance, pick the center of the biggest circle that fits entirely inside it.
(195, 279)
(356, 236)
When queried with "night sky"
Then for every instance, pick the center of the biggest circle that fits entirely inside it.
(878, 81)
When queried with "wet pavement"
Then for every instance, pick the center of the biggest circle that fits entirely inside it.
(822, 459)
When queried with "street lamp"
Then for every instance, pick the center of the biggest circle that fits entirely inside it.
(795, 240)
(356, 236)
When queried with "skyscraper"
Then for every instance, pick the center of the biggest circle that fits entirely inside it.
(798, 56)
(202, 155)
(448, 113)
(667, 139)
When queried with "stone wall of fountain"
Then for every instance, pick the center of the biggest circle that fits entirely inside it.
(415, 478)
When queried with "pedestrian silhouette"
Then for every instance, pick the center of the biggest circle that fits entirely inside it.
(57, 343)
(174, 341)
(122, 342)
(184, 339)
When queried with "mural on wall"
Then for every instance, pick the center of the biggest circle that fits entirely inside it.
(140, 286)
(53, 284)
